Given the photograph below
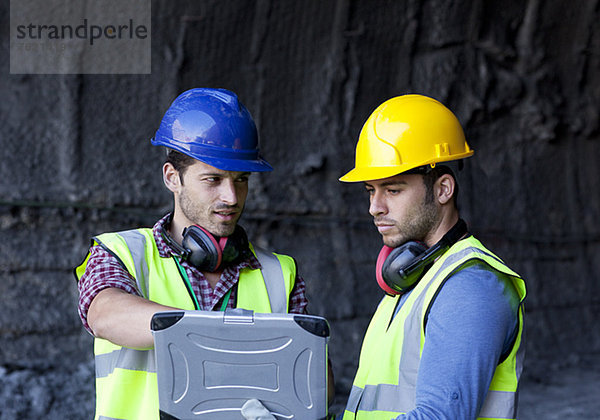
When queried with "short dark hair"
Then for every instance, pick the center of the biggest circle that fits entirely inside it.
(180, 161)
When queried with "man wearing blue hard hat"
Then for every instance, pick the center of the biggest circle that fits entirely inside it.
(196, 257)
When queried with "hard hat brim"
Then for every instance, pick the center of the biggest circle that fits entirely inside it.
(236, 165)
(226, 160)
(368, 173)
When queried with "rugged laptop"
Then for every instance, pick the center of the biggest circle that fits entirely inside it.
(210, 363)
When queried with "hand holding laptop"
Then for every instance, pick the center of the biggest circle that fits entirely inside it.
(254, 410)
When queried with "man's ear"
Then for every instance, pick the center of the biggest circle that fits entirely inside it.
(444, 188)
(171, 178)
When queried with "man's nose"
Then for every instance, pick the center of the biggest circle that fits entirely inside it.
(377, 205)
(228, 193)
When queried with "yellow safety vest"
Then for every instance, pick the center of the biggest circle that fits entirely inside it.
(126, 384)
(385, 383)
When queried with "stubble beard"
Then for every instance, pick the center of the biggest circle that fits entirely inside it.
(416, 226)
(201, 217)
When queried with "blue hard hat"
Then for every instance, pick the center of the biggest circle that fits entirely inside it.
(212, 126)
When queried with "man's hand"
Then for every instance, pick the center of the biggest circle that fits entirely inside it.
(254, 410)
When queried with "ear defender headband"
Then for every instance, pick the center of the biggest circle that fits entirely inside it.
(399, 269)
(207, 252)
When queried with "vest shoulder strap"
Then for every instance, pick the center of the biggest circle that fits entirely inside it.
(274, 279)
(136, 241)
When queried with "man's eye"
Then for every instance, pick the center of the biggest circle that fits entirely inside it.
(242, 179)
(393, 192)
(370, 192)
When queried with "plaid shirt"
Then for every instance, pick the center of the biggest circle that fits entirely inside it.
(103, 271)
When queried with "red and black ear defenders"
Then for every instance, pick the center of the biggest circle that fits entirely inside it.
(399, 269)
(207, 252)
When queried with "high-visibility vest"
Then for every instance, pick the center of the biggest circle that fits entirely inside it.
(126, 384)
(385, 383)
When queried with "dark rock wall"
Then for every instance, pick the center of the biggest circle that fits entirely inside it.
(522, 76)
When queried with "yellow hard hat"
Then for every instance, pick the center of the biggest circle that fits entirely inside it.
(404, 133)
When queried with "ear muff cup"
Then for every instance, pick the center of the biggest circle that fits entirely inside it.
(399, 269)
(393, 271)
(205, 252)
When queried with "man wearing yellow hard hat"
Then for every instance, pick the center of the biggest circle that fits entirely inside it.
(446, 340)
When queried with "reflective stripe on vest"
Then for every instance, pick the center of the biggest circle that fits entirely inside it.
(126, 385)
(124, 358)
(391, 398)
(396, 399)
(136, 242)
(273, 276)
